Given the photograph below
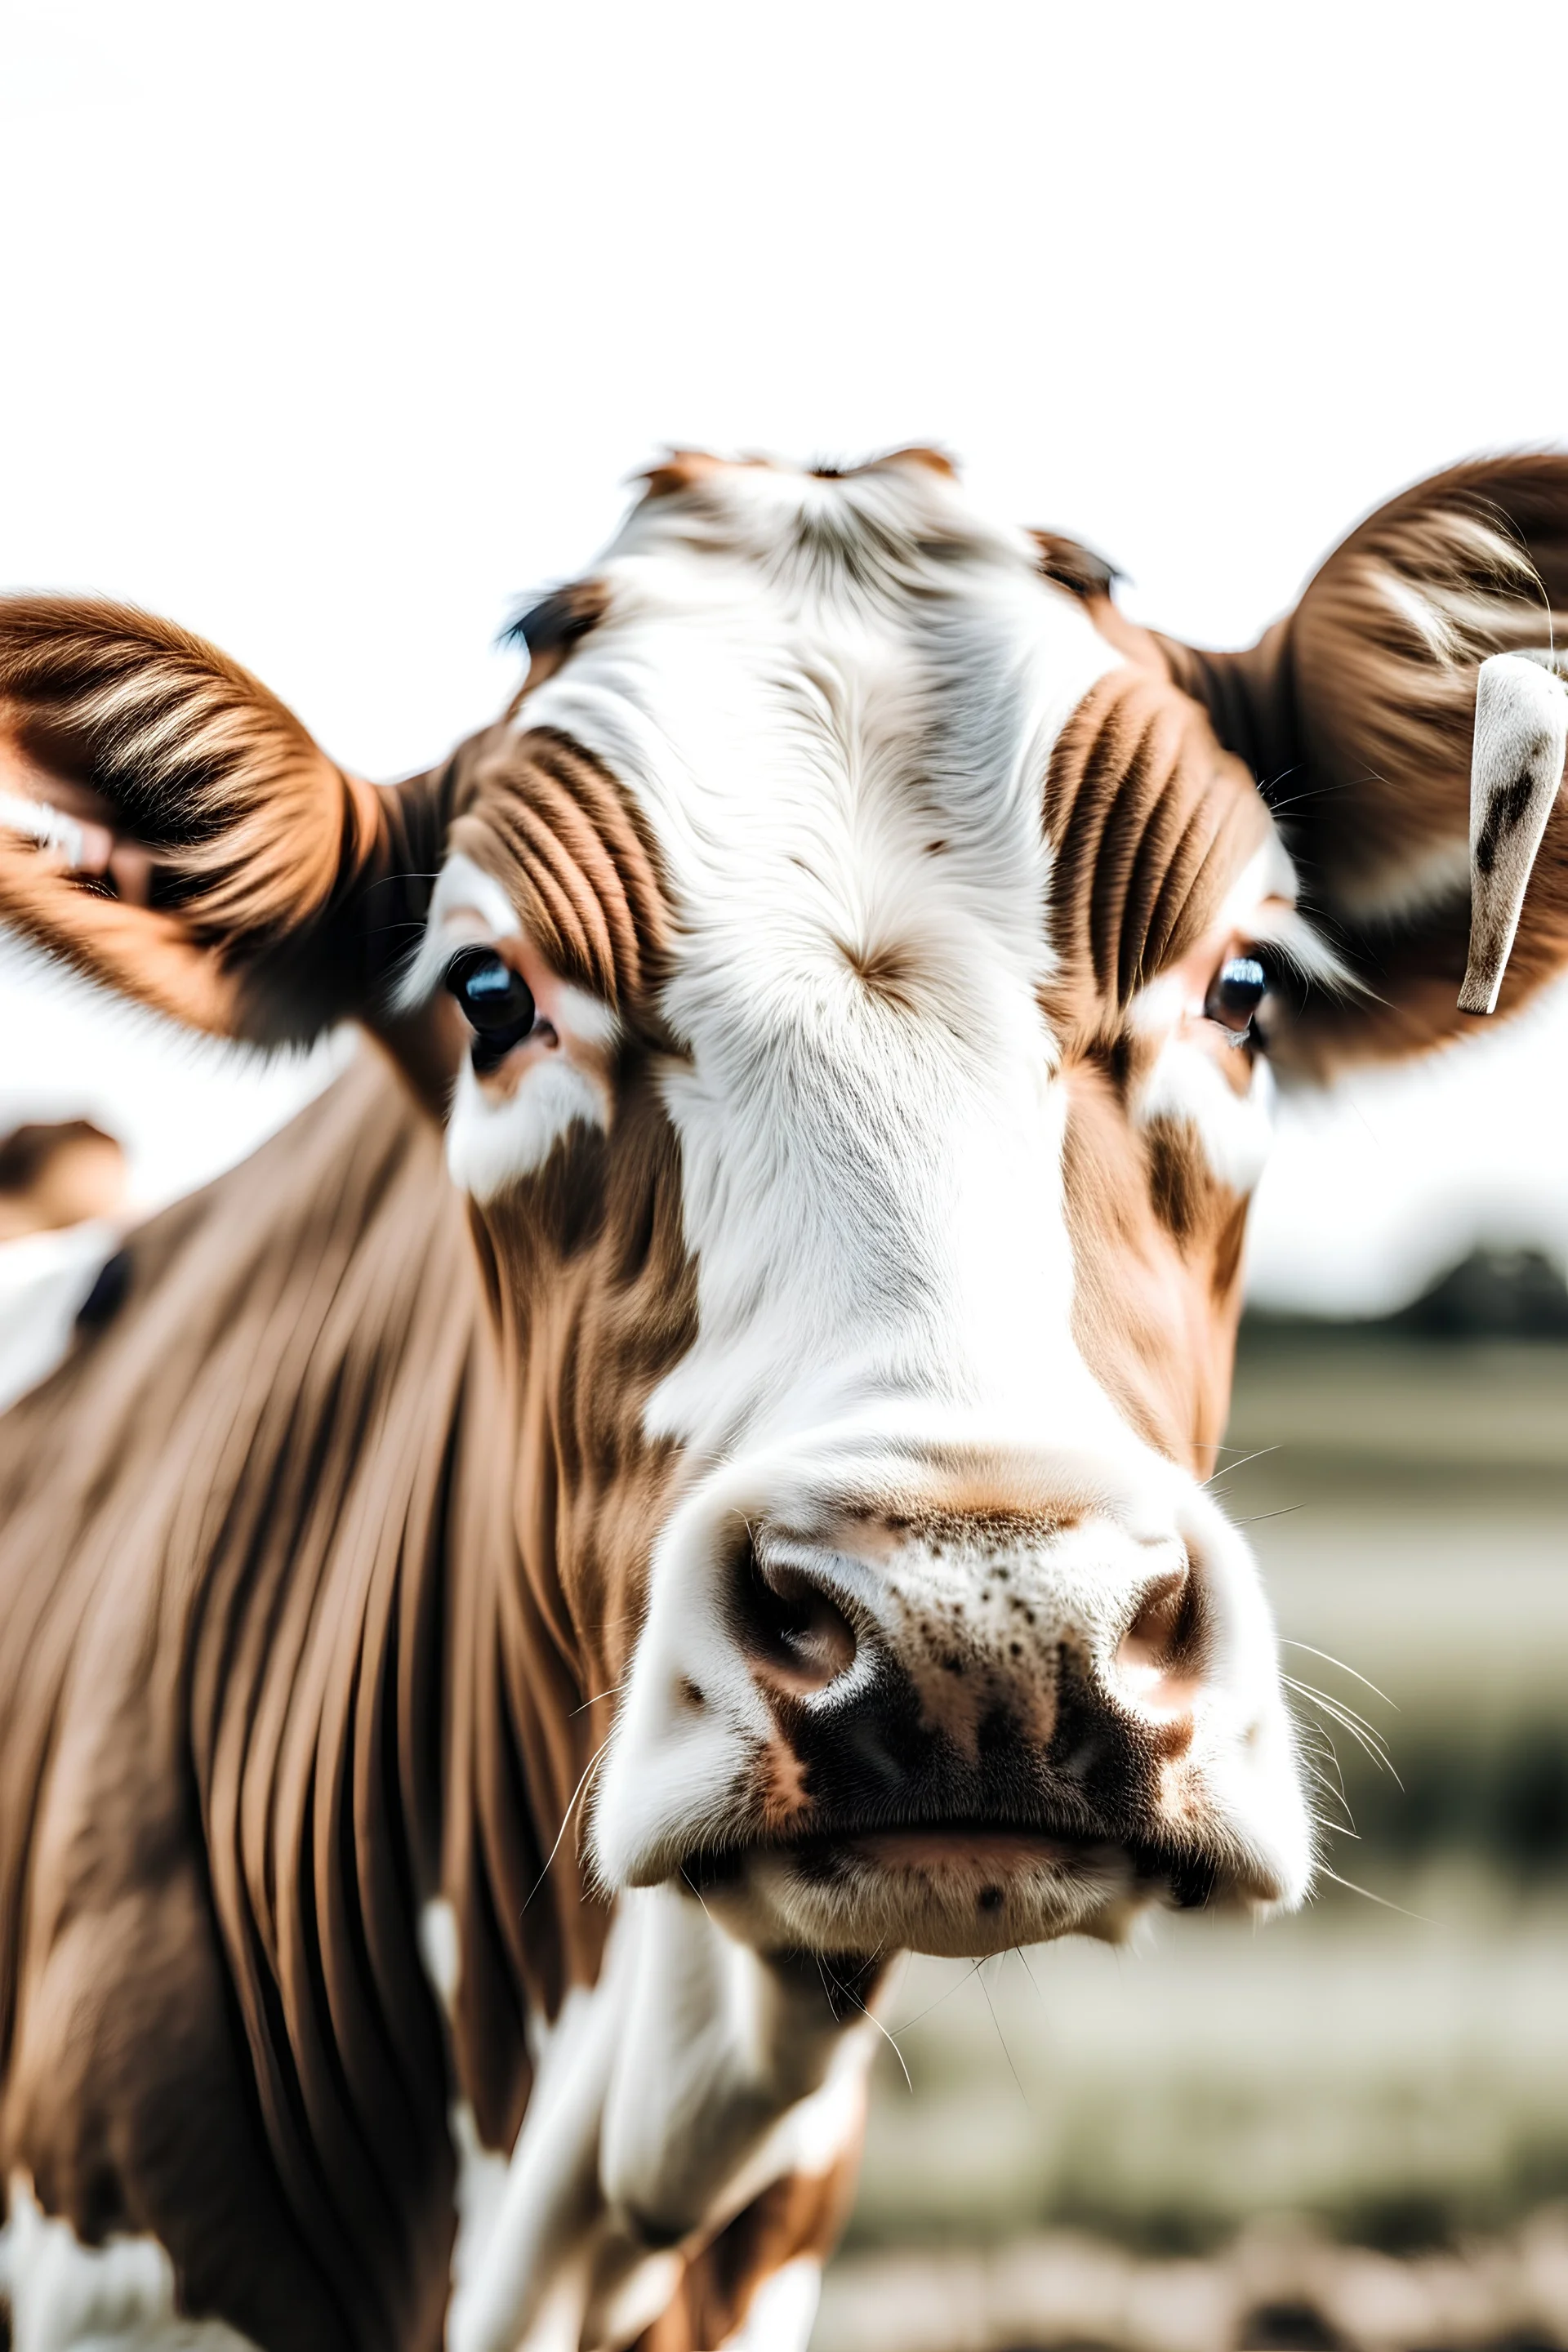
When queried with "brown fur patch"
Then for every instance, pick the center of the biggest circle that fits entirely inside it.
(684, 470)
(1156, 1242)
(888, 972)
(562, 838)
(1149, 823)
(551, 630)
(1074, 567)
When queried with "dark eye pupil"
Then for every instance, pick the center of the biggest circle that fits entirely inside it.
(1238, 989)
(1242, 985)
(496, 1001)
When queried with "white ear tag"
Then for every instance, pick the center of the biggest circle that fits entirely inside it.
(1521, 734)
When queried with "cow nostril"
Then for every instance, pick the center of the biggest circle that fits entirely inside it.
(1165, 1620)
(796, 1631)
(1159, 1656)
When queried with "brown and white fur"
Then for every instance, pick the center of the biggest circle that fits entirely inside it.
(486, 1689)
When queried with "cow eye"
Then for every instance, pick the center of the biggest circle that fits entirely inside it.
(1239, 988)
(497, 1003)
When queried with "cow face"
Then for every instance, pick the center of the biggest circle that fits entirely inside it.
(870, 963)
(844, 924)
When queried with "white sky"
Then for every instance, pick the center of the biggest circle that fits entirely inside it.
(330, 330)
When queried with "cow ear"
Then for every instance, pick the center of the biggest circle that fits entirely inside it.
(169, 828)
(1408, 725)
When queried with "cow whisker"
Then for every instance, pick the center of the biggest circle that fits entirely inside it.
(1346, 1713)
(1381, 1900)
(1335, 1787)
(594, 1696)
(1224, 1470)
(1028, 1971)
(1365, 1738)
(1364, 1733)
(692, 1888)
(588, 1772)
(1346, 1828)
(1313, 791)
(1001, 2038)
(905, 2024)
(1331, 1661)
(1327, 1752)
(848, 1994)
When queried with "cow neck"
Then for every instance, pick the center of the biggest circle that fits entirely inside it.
(526, 1929)
(590, 1297)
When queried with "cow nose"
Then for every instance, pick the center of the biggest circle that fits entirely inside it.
(796, 1634)
(1050, 1680)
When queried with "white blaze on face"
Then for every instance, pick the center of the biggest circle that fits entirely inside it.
(834, 703)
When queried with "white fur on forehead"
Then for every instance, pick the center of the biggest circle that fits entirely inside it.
(874, 529)
(787, 661)
(835, 704)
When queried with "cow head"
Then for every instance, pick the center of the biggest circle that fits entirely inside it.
(872, 958)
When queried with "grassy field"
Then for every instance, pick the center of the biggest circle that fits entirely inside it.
(1395, 2075)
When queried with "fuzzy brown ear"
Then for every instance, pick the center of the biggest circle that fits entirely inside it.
(167, 827)
(1429, 847)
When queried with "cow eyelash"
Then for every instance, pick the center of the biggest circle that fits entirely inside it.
(1238, 992)
(495, 1001)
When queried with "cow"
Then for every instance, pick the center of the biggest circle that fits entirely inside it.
(497, 1658)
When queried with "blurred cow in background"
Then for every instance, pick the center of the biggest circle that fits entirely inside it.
(58, 1173)
(489, 1684)
(62, 1209)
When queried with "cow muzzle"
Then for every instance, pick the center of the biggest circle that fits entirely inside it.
(960, 1721)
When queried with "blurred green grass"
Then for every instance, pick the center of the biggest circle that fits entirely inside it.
(1391, 2066)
